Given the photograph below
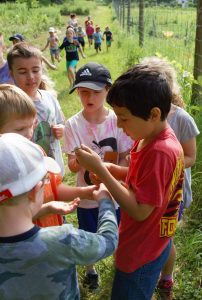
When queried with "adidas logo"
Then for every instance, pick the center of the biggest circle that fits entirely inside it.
(86, 72)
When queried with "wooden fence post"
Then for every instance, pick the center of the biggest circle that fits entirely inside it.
(141, 23)
(197, 87)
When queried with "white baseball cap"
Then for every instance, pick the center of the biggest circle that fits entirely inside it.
(22, 165)
(51, 29)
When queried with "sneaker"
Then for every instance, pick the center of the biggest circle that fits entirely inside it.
(91, 281)
(165, 289)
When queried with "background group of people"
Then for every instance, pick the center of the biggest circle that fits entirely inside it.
(74, 42)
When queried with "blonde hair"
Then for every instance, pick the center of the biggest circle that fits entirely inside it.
(22, 50)
(14, 103)
(165, 68)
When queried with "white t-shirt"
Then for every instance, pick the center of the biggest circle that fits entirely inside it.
(48, 113)
(102, 137)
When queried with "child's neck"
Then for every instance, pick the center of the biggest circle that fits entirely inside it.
(35, 95)
(144, 142)
(19, 221)
(96, 117)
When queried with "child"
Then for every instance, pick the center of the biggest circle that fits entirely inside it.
(97, 36)
(52, 42)
(95, 126)
(40, 263)
(71, 47)
(151, 196)
(186, 131)
(88, 21)
(16, 38)
(17, 115)
(25, 64)
(73, 21)
(90, 31)
(109, 37)
(81, 35)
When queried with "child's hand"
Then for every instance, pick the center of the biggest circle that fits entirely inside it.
(63, 208)
(94, 179)
(73, 164)
(87, 191)
(89, 159)
(83, 56)
(58, 130)
(101, 193)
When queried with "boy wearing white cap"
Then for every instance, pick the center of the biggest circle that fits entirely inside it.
(40, 263)
(53, 43)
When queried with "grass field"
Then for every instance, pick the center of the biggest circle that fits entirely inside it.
(123, 53)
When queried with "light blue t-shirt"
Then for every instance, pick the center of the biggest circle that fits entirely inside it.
(185, 128)
(97, 37)
(41, 263)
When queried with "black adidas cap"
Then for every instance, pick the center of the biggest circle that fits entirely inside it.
(17, 36)
(93, 76)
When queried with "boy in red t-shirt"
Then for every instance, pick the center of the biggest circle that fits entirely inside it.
(150, 197)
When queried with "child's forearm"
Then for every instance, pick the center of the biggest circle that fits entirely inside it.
(68, 193)
(45, 210)
(119, 172)
(125, 197)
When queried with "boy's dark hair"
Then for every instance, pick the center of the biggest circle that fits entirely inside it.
(139, 90)
(23, 50)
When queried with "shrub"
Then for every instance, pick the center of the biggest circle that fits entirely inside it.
(66, 10)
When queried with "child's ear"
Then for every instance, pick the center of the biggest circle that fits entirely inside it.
(155, 114)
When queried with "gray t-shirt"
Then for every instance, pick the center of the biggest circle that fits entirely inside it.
(48, 113)
(41, 263)
(185, 128)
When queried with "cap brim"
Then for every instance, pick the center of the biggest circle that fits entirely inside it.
(14, 38)
(51, 165)
(97, 86)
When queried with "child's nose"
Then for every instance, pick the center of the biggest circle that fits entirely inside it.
(30, 75)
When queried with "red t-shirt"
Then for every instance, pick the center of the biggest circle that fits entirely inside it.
(156, 176)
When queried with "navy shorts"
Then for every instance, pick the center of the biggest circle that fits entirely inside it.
(140, 284)
(88, 218)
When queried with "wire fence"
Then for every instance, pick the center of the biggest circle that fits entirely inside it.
(170, 31)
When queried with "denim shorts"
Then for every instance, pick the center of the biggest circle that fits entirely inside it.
(54, 51)
(140, 284)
